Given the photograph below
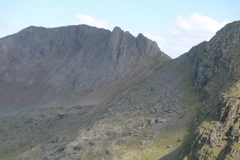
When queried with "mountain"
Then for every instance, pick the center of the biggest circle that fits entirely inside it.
(43, 67)
(216, 72)
(88, 93)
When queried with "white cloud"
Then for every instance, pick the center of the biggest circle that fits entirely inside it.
(198, 22)
(175, 32)
(85, 19)
(186, 32)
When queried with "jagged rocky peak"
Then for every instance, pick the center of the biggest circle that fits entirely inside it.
(63, 42)
(80, 58)
(143, 44)
(146, 45)
(117, 30)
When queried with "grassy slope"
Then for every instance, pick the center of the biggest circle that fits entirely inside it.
(147, 123)
(133, 129)
(37, 129)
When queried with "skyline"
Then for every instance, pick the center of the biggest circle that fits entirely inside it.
(176, 27)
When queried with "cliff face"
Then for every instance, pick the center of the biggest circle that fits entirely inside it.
(52, 65)
(216, 70)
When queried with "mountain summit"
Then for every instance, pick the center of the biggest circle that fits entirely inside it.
(46, 67)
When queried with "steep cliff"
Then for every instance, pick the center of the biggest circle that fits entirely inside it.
(216, 71)
(54, 65)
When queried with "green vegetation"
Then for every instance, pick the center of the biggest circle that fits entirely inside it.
(28, 130)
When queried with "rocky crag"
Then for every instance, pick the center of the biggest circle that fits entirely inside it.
(159, 108)
(54, 66)
(216, 71)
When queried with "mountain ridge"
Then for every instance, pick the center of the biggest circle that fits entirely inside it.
(62, 59)
(185, 108)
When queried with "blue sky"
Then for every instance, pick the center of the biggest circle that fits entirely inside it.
(175, 25)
